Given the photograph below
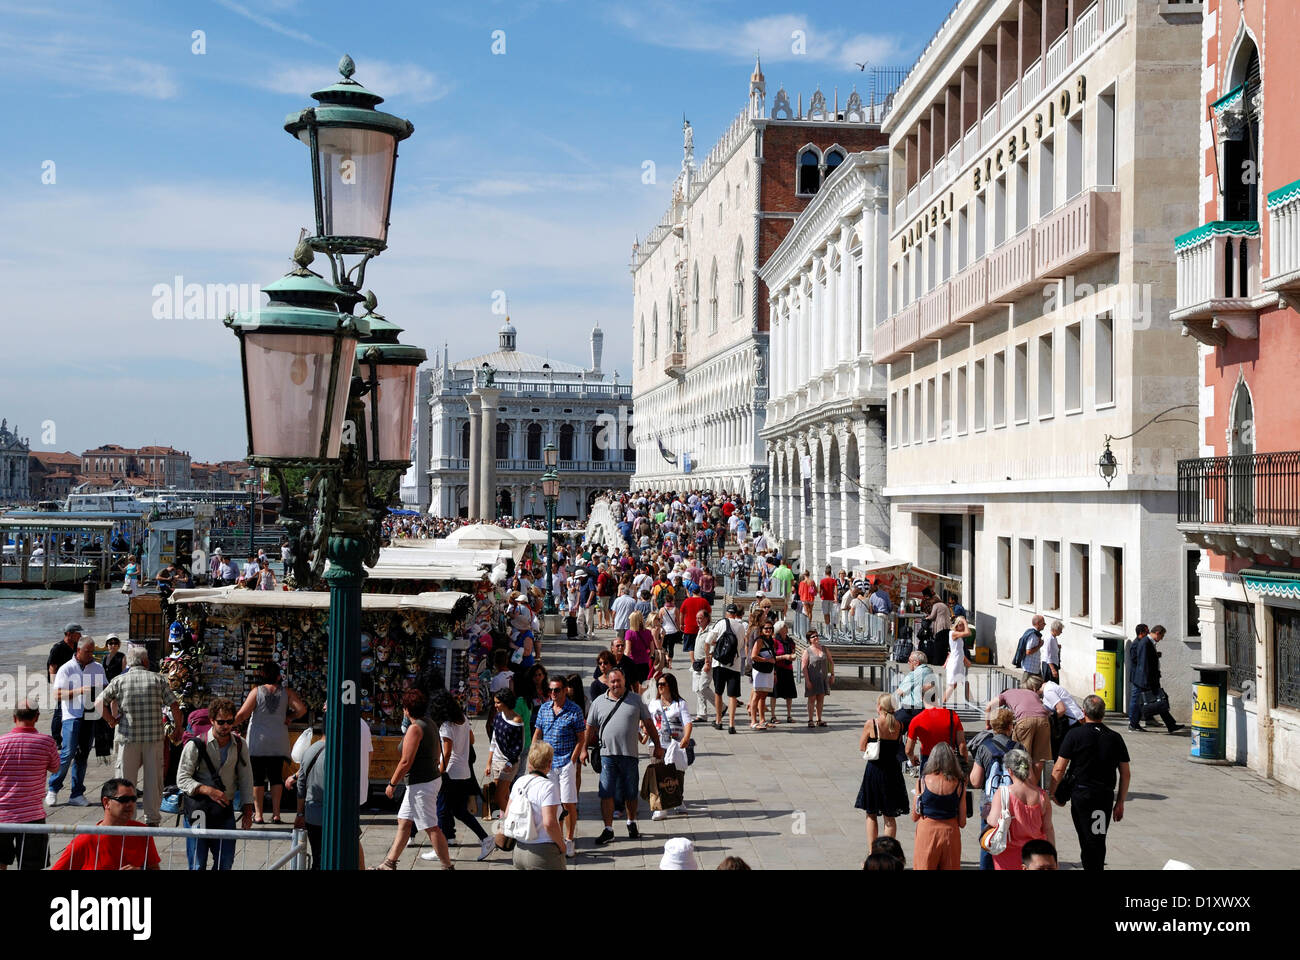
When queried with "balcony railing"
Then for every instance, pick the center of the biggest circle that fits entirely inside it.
(1010, 104)
(1058, 58)
(536, 466)
(1076, 234)
(1011, 268)
(912, 203)
(933, 312)
(989, 125)
(970, 291)
(1032, 84)
(1257, 490)
(954, 159)
(1284, 239)
(924, 195)
(1218, 275)
(1085, 30)
(970, 144)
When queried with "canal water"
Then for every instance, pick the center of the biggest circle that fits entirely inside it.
(31, 620)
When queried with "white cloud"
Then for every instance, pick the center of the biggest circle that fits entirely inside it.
(85, 65)
(390, 80)
(667, 23)
(88, 262)
(268, 24)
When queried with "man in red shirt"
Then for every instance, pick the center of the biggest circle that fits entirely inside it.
(934, 725)
(828, 588)
(27, 757)
(689, 617)
(90, 851)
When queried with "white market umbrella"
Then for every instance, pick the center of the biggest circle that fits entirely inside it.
(869, 556)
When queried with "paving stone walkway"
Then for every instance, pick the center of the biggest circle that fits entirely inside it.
(783, 799)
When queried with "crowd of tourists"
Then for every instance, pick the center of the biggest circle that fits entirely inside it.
(648, 596)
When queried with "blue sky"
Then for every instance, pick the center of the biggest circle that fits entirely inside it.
(524, 174)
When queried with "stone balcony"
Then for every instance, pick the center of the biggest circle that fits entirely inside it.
(1076, 234)
(1011, 269)
(675, 364)
(1219, 282)
(1284, 244)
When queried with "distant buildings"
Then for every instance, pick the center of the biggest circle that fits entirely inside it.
(110, 465)
(14, 451)
(531, 401)
(700, 317)
(53, 475)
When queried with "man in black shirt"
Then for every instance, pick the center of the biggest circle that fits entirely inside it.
(1094, 754)
(60, 654)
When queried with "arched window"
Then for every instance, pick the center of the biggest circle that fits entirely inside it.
(833, 159)
(464, 441)
(566, 442)
(598, 441)
(738, 284)
(809, 171)
(503, 441)
(713, 298)
(654, 334)
(534, 441)
(1241, 144)
(695, 299)
(642, 348)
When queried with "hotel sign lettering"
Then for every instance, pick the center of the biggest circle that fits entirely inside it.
(1008, 152)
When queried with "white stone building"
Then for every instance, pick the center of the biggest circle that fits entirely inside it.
(826, 408)
(700, 314)
(584, 412)
(1040, 162)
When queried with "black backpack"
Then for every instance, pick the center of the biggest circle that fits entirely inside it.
(724, 651)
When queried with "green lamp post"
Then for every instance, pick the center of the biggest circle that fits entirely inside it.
(333, 391)
(551, 496)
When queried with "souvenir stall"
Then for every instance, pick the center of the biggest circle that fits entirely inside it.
(222, 636)
(409, 571)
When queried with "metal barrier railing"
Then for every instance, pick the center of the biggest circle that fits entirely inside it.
(169, 850)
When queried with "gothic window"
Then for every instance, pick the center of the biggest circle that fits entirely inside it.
(1241, 145)
(833, 159)
(738, 285)
(809, 171)
(695, 299)
(566, 442)
(654, 335)
(534, 441)
(464, 441)
(503, 441)
(713, 299)
(642, 347)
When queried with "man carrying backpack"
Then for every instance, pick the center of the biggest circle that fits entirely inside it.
(989, 773)
(725, 642)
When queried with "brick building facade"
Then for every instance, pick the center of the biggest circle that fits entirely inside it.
(700, 315)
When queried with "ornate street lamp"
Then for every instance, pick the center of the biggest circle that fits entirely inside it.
(551, 496)
(333, 392)
(1108, 466)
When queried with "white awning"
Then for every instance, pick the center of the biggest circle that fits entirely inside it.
(443, 602)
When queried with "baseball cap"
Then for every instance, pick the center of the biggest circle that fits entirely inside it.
(733, 608)
(72, 628)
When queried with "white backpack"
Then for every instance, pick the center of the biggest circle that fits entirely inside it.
(518, 822)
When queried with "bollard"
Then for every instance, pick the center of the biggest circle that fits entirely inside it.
(88, 595)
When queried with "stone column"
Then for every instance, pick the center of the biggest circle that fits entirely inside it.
(845, 301)
(475, 403)
(487, 490)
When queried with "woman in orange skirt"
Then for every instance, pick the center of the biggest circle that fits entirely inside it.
(939, 812)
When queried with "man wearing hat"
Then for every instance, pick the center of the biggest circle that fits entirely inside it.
(214, 567)
(60, 654)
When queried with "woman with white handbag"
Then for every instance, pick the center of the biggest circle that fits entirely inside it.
(1020, 813)
(883, 792)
